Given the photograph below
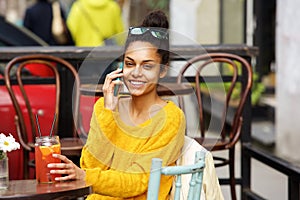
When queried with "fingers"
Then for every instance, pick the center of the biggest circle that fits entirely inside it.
(67, 168)
(65, 178)
(62, 158)
(113, 75)
(60, 165)
(62, 168)
(110, 97)
(116, 72)
(109, 88)
(111, 80)
(69, 172)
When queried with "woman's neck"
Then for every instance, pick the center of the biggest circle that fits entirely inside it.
(142, 108)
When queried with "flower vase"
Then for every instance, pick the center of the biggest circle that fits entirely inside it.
(4, 179)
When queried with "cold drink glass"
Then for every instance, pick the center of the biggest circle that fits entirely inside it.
(45, 146)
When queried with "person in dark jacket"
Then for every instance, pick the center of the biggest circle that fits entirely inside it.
(38, 19)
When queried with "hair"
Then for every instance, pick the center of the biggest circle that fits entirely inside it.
(155, 19)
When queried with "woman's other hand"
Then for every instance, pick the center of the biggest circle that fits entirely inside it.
(66, 167)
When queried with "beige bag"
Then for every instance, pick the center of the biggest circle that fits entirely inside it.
(59, 30)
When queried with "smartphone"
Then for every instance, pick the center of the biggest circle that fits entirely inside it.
(116, 89)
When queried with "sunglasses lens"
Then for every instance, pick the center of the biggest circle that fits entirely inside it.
(159, 34)
(137, 31)
(155, 33)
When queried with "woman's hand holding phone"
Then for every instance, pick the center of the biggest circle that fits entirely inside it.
(117, 86)
(111, 87)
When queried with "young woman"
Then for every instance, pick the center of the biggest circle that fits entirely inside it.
(126, 133)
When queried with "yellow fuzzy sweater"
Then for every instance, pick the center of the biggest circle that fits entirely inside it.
(117, 157)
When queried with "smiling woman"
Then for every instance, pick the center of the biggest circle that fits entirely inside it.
(131, 131)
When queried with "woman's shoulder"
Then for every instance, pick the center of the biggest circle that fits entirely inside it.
(173, 108)
(99, 104)
(174, 114)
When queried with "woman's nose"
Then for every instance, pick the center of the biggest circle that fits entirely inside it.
(137, 71)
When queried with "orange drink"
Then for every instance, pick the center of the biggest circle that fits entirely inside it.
(45, 146)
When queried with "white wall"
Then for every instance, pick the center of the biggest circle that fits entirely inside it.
(288, 78)
(197, 20)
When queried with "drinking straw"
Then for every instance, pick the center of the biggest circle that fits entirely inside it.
(38, 124)
(53, 122)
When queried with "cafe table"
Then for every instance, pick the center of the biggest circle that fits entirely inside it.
(30, 189)
(163, 89)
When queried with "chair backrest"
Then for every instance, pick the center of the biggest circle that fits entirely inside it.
(225, 99)
(22, 101)
(196, 171)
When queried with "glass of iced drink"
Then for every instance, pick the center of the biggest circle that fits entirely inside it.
(45, 146)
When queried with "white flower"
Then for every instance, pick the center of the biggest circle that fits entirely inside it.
(8, 143)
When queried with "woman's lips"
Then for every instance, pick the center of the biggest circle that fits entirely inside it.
(137, 84)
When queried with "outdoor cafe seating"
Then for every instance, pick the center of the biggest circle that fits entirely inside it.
(22, 93)
(220, 103)
(76, 55)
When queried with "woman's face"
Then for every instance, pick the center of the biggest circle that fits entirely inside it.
(142, 68)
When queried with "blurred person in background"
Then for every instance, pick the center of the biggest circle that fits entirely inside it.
(94, 22)
(38, 19)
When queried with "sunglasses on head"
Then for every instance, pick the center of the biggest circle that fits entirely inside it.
(155, 32)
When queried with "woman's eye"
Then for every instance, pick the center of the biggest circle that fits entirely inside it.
(129, 64)
(148, 66)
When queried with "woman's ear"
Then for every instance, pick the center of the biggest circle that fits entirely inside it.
(163, 70)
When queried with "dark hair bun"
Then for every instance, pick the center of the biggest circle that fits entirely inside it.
(156, 19)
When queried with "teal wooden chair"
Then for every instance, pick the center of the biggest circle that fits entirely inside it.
(196, 171)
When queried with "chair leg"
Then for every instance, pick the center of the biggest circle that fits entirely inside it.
(231, 173)
(25, 164)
